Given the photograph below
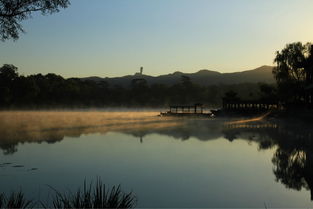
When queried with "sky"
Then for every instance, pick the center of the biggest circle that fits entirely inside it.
(110, 38)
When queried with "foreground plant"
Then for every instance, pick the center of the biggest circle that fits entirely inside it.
(15, 200)
(92, 196)
(97, 196)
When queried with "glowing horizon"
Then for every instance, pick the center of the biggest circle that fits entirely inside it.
(114, 38)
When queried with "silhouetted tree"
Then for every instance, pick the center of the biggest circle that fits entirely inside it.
(268, 92)
(12, 12)
(8, 74)
(186, 82)
(290, 72)
(139, 91)
(189, 93)
(213, 95)
(159, 95)
(294, 168)
(25, 90)
(231, 96)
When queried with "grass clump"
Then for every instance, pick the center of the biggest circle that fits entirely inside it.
(15, 200)
(95, 196)
(91, 196)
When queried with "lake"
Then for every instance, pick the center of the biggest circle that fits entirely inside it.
(166, 162)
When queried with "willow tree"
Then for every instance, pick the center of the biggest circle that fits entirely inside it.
(13, 12)
(291, 71)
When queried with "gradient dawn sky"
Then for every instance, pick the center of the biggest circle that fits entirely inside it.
(110, 38)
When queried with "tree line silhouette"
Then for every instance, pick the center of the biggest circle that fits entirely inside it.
(51, 90)
(293, 88)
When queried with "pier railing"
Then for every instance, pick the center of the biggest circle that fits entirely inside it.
(249, 105)
(196, 109)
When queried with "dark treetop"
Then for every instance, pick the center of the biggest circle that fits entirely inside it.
(13, 12)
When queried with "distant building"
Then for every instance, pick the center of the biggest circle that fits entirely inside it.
(141, 70)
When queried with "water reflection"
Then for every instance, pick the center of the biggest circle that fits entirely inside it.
(52, 127)
(292, 159)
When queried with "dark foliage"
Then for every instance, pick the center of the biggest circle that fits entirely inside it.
(54, 91)
(12, 12)
(92, 196)
(15, 200)
(291, 141)
(97, 196)
(294, 73)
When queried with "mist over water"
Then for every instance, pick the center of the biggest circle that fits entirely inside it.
(54, 125)
(165, 161)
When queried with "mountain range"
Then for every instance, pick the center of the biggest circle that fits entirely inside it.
(202, 77)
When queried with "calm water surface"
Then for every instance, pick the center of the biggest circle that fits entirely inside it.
(166, 162)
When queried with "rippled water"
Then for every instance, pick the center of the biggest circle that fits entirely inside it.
(166, 162)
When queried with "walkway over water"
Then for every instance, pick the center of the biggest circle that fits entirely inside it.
(249, 105)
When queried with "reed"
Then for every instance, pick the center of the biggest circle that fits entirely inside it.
(1, 200)
(94, 196)
(91, 196)
(15, 200)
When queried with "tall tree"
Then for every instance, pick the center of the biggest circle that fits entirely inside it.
(290, 72)
(12, 12)
(8, 74)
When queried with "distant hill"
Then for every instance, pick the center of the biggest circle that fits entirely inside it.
(202, 77)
